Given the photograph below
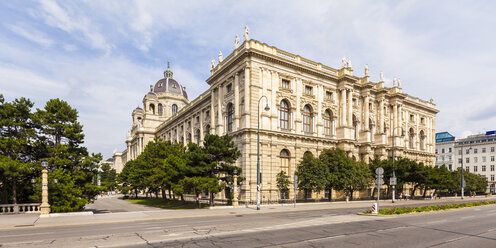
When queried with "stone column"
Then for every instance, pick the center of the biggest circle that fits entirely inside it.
(350, 108)
(212, 112)
(45, 206)
(297, 118)
(201, 127)
(235, 193)
(395, 120)
(273, 99)
(366, 114)
(192, 130)
(343, 108)
(220, 120)
(381, 116)
(247, 97)
(318, 121)
(236, 102)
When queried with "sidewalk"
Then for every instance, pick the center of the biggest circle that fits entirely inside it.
(86, 218)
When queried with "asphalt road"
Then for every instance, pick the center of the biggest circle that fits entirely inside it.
(470, 227)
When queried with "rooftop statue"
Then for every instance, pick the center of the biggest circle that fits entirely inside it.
(247, 32)
(236, 42)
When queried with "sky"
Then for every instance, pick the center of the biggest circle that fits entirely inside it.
(101, 56)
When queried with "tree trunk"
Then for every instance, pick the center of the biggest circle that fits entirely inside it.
(136, 193)
(163, 194)
(373, 192)
(14, 192)
(211, 198)
(329, 196)
(170, 195)
(182, 198)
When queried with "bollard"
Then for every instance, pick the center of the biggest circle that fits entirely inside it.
(375, 210)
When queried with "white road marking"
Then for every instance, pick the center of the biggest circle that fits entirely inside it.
(452, 240)
(320, 239)
(436, 221)
(28, 234)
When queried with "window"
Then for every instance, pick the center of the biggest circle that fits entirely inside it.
(449, 149)
(484, 150)
(459, 152)
(285, 160)
(207, 129)
(475, 150)
(450, 167)
(459, 160)
(467, 160)
(229, 88)
(483, 168)
(492, 149)
(230, 117)
(174, 108)
(327, 122)
(483, 159)
(328, 96)
(476, 160)
(308, 90)
(492, 158)
(160, 109)
(285, 84)
(307, 119)
(152, 108)
(467, 168)
(207, 113)
(492, 167)
(197, 136)
(467, 151)
(442, 150)
(475, 168)
(412, 117)
(197, 119)
(449, 157)
(284, 115)
(492, 177)
(436, 151)
(422, 120)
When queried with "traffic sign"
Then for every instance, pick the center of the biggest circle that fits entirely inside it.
(392, 181)
(379, 171)
(464, 184)
(379, 181)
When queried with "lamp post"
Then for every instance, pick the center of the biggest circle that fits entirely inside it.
(394, 174)
(235, 188)
(267, 108)
(45, 207)
(462, 182)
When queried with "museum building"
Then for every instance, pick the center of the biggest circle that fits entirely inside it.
(311, 107)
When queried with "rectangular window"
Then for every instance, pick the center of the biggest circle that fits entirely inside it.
(483, 168)
(467, 168)
(467, 160)
(285, 84)
(442, 150)
(467, 151)
(483, 159)
(308, 90)
(476, 160)
(492, 158)
(449, 149)
(483, 150)
(328, 96)
(229, 88)
(492, 177)
(459, 160)
(475, 168)
(475, 150)
(492, 149)
(459, 152)
(449, 157)
(436, 151)
(412, 117)
(492, 167)
(450, 167)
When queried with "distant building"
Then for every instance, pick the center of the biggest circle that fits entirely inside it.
(445, 149)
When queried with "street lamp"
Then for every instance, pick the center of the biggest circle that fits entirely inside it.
(45, 206)
(394, 174)
(462, 182)
(235, 188)
(267, 108)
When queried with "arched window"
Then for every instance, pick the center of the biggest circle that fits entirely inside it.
(197, 136)
(152, 108)
(411, 136)
(422, 140)
(174, 108)
(307, 119)
(327, 122)
(285, 160)
(230, 117)
(160, 109)
(307, 153)
(189, 138)
(284, 115)
(207, 130)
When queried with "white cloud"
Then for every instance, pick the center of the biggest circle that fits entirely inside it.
(31, 34)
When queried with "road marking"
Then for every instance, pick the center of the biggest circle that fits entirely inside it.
(492, 230)
(325, 238)
(154, 227)
(28, 234)
(467, 217)
(436, 221)
(453, 240)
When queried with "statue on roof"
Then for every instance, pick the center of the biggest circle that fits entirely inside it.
(213, 64)
(399, 82)
(220, 57)
(366, 70)
(395, 83)
(151, 88)
(348, 63)
(343, 62)
(381, 77)
(247, 32)
(236, 42)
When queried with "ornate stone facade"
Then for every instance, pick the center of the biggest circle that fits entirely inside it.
(312, 107)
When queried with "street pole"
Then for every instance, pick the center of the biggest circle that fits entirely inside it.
(235, 188)
(45, 206)
(394, 174)
(267, 108)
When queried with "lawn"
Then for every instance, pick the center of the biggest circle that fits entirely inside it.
(167, 204)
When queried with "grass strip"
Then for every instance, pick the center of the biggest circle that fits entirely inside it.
(407, 210)
(166, 204)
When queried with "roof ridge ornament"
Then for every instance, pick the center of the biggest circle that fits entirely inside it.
(168, 73)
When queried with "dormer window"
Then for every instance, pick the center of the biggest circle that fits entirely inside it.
(174, 85)
(160, 85)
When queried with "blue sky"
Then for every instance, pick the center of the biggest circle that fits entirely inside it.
(101, 56)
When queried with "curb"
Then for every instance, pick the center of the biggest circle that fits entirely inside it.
(71, 214)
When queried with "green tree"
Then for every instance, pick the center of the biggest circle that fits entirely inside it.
(108, 177)
(312, 174)
(283, 183)
(13, 173)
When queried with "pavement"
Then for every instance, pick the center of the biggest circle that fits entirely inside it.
(109, 214)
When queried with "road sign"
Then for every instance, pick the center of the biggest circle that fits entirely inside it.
(379, 181)
(392, 181)
(464, 184)
(379, 171)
